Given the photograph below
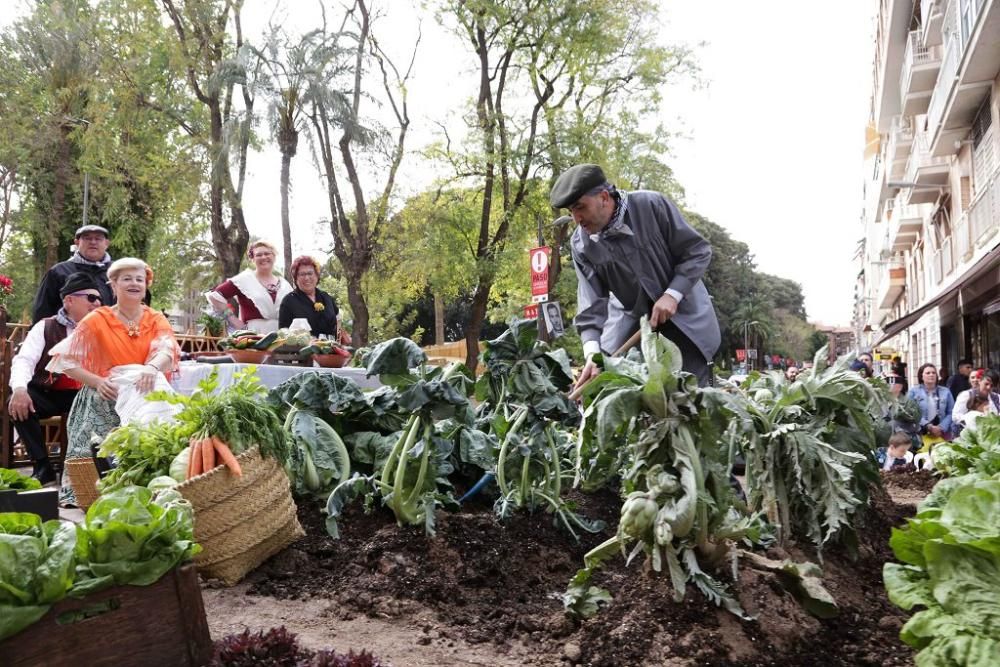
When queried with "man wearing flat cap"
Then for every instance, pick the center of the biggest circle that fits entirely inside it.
(637, 247)
(91, 257)
(36, 393)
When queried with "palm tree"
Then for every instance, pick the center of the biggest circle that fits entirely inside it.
(291, 69)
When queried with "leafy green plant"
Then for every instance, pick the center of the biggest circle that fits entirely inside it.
(238, 415)
(212, 325)
(977, 449)
(646, 422)
(36, 567)
(410, 478)
(523, 402)
(143, 452)
(808, 446)
(11, 479)
(133, 536)
(950, 568)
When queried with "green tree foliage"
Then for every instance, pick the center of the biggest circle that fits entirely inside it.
(75, 101)
(535, 61)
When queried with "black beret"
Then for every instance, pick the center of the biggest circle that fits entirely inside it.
(574, 183)
(77, 282)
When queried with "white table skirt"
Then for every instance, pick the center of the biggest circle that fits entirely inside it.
(191, 372)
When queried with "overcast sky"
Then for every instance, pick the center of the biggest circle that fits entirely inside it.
(772, 148)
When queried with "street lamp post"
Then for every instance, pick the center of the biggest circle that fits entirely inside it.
(746, 341)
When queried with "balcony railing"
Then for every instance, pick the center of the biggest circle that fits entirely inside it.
(963, 246)
(947, 258)
(984, 214)
(915, 55)
(945, 82)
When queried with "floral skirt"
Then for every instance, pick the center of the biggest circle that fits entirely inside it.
(90, 419)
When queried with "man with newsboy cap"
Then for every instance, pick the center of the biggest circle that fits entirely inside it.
(35, 392)
(638, 247)
(91, 257)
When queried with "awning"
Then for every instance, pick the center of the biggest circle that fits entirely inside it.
(981, 267)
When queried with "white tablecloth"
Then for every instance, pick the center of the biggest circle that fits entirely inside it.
(191, 372)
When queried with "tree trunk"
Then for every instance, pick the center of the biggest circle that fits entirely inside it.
(438, 320)
(475, 326)
(286, 229)
(58, 200)
(359, 309)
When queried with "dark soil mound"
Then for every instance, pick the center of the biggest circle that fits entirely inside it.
(493, 582)
(909, 478)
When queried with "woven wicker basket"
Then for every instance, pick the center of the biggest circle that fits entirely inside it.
(241, 521)
(83, 478)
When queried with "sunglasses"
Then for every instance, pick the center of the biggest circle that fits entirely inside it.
(93, 298)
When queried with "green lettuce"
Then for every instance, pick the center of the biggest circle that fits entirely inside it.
(950, 568)
(11, 479)
(36, 568)
(132, 537)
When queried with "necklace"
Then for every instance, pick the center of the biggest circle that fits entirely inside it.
(272, 287)
(131, 326)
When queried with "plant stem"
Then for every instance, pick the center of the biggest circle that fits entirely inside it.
(522, 414)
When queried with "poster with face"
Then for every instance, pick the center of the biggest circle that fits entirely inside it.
(553, 319)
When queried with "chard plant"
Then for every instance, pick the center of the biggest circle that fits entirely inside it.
(524, 403)
(809, 448)
(410, 476)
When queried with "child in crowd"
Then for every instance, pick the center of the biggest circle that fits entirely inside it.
(978, 405)
(897, 453)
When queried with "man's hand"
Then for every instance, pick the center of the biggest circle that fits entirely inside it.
(20, 405)
(936, 431)
(589, 372)
(664, 308)
(107, 389)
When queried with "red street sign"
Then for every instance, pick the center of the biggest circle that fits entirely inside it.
(531, 311)
(539, 273)
(741, 355)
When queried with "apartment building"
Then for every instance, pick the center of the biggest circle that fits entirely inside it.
(928, 285)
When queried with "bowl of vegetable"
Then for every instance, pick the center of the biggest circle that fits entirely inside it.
(327, 353)
(247, 356)
(331, 360)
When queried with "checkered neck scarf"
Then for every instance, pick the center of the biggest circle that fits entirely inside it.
(616, 226)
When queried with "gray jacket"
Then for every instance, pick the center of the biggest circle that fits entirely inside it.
(655, 250)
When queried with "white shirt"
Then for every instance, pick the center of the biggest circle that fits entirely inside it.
(22, 366)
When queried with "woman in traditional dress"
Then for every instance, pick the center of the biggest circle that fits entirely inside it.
(128, 334)
(308, 301)
(258, 291)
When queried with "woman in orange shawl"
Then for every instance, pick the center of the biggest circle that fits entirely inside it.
(110, 337)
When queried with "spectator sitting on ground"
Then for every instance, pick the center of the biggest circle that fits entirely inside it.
(897, 453)
(978, 406)
(984, 383)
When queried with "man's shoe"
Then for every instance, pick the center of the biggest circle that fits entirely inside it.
(44, 473)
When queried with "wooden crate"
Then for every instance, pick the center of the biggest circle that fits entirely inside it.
(161, 624)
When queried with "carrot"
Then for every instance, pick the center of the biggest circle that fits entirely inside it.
(226, 456)
(191, 444)
(207, 455)
(196, 458)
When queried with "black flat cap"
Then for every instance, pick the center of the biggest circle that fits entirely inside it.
(77, 282)
(574, 183)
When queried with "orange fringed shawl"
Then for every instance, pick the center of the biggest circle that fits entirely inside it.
(101, 341)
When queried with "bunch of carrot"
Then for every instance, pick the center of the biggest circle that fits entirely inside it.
(207, 453)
